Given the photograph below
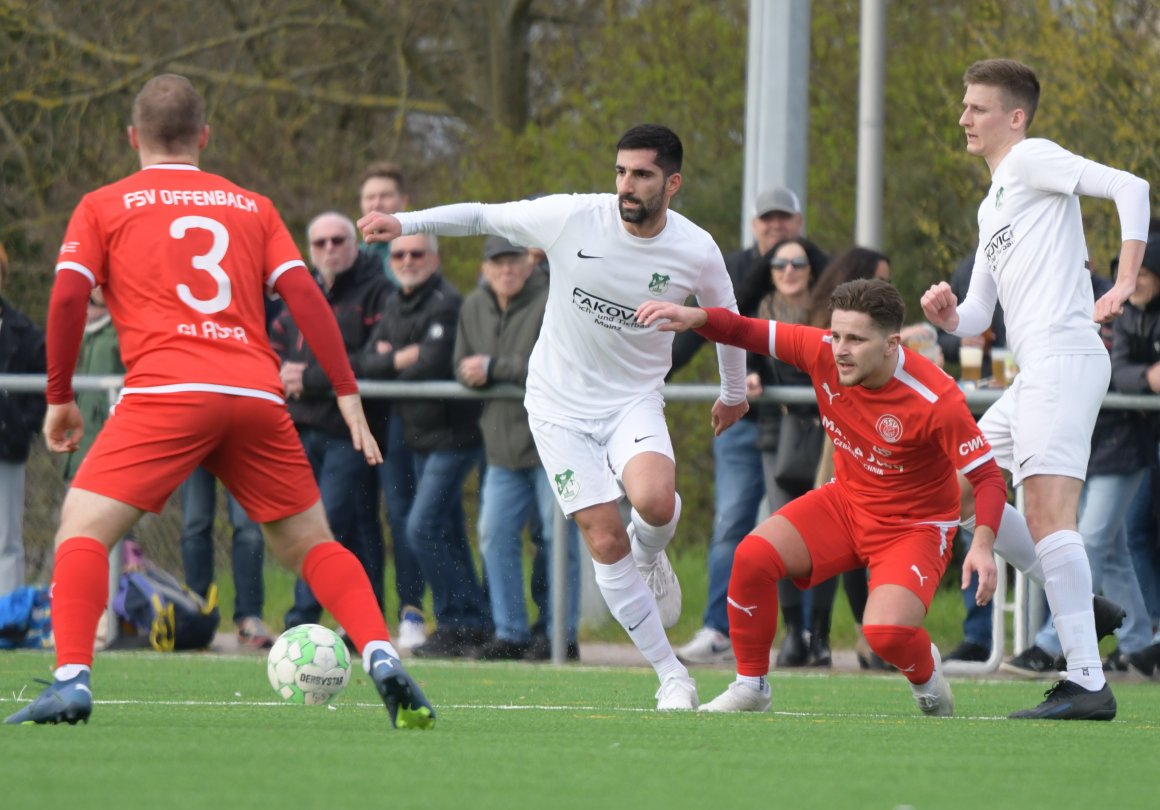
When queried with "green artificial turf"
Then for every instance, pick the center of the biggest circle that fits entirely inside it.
(173, 731)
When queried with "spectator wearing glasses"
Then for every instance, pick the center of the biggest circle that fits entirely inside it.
(783, 293)
(355, 287)
(415, 340)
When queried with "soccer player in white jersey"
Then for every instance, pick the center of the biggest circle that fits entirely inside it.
(1031, 259)
(595, 374)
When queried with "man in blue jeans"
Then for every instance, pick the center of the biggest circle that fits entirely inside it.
(498, 326)
(199, 508)
(397, 479)
(414, 340)
(355, 287)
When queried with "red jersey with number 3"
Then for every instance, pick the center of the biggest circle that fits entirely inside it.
(184, 258)
(897, 447)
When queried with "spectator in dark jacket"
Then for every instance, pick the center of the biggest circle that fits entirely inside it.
(415, 340)
(1136, 370)
(21, 352)
(355, 287)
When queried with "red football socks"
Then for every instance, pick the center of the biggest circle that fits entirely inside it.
(341, 586)
(79, 593)
(908, 648)
(753, 603)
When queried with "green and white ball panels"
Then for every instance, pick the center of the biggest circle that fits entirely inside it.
(308, 664)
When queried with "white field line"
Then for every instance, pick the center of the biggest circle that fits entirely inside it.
(273, 704)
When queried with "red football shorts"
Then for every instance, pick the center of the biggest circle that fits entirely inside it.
(841, 538)
(152, 442)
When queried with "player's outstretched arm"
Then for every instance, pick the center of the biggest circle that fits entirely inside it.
(350, 406)
(670, 317)
(940, 306)
(379, 227)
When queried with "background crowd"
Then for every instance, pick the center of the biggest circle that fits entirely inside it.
(402, 319)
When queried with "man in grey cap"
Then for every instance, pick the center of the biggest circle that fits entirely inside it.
(777, 215)
(498, 326)
(738, 477)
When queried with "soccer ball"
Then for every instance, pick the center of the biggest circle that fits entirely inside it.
(308, 664)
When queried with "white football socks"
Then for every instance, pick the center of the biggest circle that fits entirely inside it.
(66, 672)
(1068, 584)
(755, 682)
(635, 607)
(371, 647)
(647, 540)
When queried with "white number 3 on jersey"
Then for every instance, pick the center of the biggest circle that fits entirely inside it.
(207, 262)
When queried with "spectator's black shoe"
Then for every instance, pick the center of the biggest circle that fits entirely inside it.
(1034, 662)
(1109, 615)
(793, 652)
(500, 649)
(1146, 662)
(968, 651)
(819, 654)
(1070, 701)
(1116, 661)
(541, 649)
(451, 642)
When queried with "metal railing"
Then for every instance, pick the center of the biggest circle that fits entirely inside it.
(978, 400)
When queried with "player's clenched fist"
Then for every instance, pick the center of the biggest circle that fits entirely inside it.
(379, 227)
(940, 306)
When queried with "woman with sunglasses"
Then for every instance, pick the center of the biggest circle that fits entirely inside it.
(783, 293)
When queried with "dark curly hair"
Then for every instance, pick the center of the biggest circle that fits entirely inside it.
(759, 281)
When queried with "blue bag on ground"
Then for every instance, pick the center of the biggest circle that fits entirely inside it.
(174, 617)
(26, 619)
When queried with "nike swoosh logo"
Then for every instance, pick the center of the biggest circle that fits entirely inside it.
(638, 624)
(640, 439)
(1023, 463)
(580, 253)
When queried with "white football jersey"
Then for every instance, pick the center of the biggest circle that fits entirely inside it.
(592, 358)
(1031, 244)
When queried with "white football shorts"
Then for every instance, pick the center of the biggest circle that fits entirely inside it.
(584, 458)
(1042, 425)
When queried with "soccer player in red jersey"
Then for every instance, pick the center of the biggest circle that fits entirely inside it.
(902, 432)
(184, 258)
